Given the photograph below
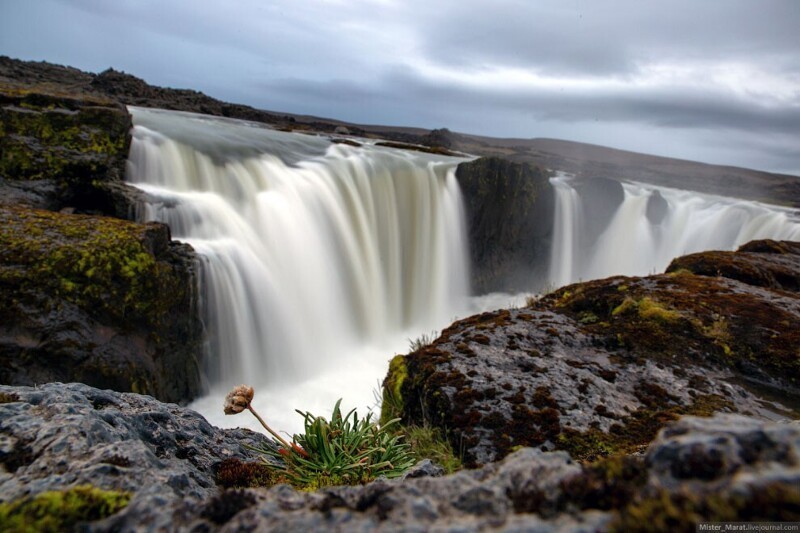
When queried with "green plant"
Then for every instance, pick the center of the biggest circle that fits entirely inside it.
(421, 342)
(342, 450)
(428, 443)
(61, 510)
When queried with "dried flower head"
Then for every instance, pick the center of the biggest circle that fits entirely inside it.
(238, 399)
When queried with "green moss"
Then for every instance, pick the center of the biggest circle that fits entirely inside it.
(682, 511)
(6, 397)
(651, 310)
(46, 136)
(586, 446)
(61, 510)
(647, 309)
(429, 443)
(392, 395)
(626, 306)
(99, 264)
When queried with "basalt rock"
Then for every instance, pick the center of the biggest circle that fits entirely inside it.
(769, 264)
(597, 368)
(123, 88)
(169, 459)
(510, 221)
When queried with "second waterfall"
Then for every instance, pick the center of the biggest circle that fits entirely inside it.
(311, 252)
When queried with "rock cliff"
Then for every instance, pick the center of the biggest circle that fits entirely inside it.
(510, 222)
(85, 295)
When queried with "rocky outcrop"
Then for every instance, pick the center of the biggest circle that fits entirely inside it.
(59, 436)
(510, 221)
(598, 368)
(62, 150)
(99, 300)
(124, 88)
(169, 460)
(768, 264)
(86, 297)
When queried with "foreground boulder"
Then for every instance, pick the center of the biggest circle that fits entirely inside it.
(168, 460)
(60, 436)
(597, 368)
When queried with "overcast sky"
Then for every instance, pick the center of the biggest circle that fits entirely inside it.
(711, 80)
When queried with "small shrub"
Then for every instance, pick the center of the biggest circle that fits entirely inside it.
(343, 451)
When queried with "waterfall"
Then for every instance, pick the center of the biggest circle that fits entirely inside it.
(635, 243)
(318, 260)
(566, 229)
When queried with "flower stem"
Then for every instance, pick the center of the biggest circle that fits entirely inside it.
(281, 439)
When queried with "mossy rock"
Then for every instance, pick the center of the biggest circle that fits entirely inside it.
(683, 317)
(392, 395)
(598, 368)
(61, 510)
(100, 300)
(78, 143)
(100, 264)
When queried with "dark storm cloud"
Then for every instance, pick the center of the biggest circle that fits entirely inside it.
(664, 77)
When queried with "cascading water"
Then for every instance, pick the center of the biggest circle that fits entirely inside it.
(633, 243)
(319, 260)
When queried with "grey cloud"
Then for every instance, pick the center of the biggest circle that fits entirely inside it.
(561, 37)
(358, 61)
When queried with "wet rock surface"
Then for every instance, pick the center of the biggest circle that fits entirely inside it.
(597, 368)
(59, 436)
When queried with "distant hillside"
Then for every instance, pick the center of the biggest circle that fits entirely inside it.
(585, 160)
